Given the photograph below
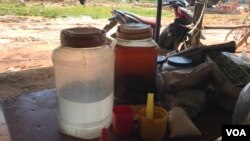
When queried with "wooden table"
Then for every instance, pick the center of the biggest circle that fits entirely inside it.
(33, 117)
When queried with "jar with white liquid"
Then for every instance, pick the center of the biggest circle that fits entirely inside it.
(84, 75)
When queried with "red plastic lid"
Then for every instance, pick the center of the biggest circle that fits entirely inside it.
(83, 37)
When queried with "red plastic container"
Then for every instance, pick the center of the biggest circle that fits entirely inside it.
(104, 135)
(122, 120)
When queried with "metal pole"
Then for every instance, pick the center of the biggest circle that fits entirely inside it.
(158, 21)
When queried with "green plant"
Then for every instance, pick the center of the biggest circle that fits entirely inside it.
(95, 11)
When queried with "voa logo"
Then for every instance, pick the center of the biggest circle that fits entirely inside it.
(236, 132)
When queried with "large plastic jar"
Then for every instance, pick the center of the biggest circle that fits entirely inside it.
(176, 63)
(84, 74)
(135, 63)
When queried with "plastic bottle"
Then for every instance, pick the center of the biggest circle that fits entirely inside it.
(84, 74)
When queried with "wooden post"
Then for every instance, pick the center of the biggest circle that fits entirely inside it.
(197, 20)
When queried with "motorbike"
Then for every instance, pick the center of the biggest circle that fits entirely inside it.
(171, 36)
(175, 33)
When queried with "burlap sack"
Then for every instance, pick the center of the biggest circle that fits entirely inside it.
(199, 76)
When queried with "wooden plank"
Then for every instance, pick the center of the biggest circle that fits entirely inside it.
(33, 117)
(195, 32)
(4, 131)
(225, 27)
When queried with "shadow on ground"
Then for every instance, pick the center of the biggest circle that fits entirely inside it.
(22, 82)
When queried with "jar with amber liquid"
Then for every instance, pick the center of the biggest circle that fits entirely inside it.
(135, 63)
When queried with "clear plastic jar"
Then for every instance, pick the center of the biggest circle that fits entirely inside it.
(84, 73)
(135, 63)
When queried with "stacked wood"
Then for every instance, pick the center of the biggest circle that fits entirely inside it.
(198, 54)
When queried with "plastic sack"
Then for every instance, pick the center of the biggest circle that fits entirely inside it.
(180, 125)
(241, 113)
(241, 59)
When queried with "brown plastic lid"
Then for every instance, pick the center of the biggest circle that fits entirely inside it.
(134, 31)
(83, 37)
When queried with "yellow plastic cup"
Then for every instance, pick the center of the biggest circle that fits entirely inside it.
(153, 129)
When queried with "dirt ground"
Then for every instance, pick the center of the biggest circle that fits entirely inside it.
(26, 45)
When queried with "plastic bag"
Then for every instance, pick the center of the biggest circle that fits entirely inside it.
(180, 125)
